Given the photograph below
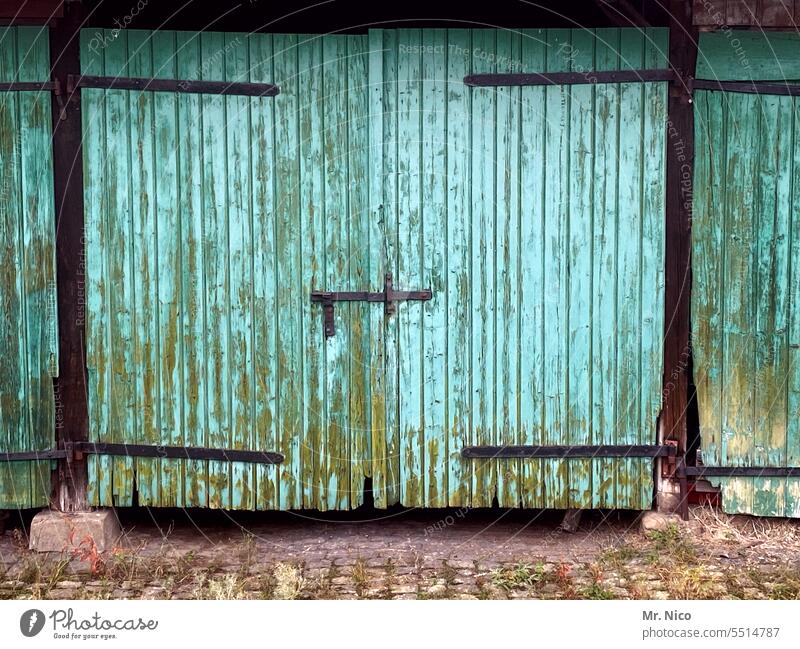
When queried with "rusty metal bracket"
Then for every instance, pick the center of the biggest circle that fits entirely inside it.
(669, 463)
(389, 296)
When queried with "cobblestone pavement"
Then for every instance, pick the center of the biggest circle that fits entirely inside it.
(431, 555)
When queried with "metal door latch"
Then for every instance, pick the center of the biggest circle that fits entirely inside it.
(388, 296)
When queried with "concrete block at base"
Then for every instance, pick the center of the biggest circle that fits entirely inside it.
(656, 521)
(53, 531)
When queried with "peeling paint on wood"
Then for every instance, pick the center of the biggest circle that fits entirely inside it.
(746, 239)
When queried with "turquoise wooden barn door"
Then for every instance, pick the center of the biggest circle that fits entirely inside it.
(533, 215)
(746, 278)
(209, 219)
(536, 216)
(28, 319)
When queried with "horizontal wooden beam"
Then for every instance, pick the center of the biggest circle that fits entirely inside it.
(568, 78)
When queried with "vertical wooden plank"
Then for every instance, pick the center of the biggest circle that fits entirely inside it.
(292, 295)
(534, 178)
(216, 269)
(508, 352)
(604, 270)
(168, 197)
(458, 138)
(337, 264)
(240, 244)
(144, 258)
(358, 155)
(482, 270)
(190, 180)
(97, 349)
(629, 265)
(379, 380)
(391, 251)
(709, 241)
(579, 258)
(409, 230)
(652, 280)
(434, 276)
(14, 476)
(117, 275)
(738, 342)
(265, 288)
(315, 452)
(771, 281)
(556, 473)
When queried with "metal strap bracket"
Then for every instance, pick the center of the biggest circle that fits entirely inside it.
(589, 77)
(76, 450)
(173, 85)
(578, 451)
(388, 297)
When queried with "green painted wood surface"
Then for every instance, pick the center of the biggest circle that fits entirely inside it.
(749, 56)
(28, 327)
(745, 286)
(535, 215)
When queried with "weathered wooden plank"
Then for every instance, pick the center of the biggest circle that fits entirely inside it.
(265, 288)
(629, 265)
(507, 285)
(604, 269)
(771, 292)
(433, 232)
(579, 254)
(651, 322)
(336, 270)
(216, 269)
(557, 125)
(482, 271)
(240, 251)
(168, 267)
(358, 155)
(118, 274)
(409, 269)
(144, 258)
(378, 379)
(97, 352)
(291, 297)
(192, 290)
(458, 140)
(391, 251)
(708, 242)
(738, 333)
(315, 452)
(533, 179)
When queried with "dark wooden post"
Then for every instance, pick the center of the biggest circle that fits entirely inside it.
(680, 170)
(72, 422)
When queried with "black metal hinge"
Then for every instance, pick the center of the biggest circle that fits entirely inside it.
(76, 451)
(388, 297)
(568, 78)
(579, 451)
(173, 85)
